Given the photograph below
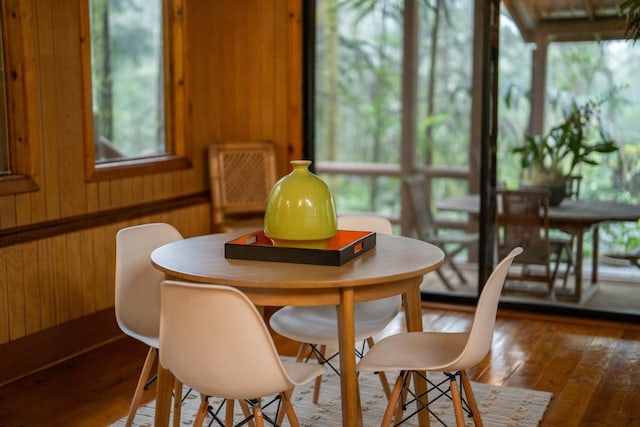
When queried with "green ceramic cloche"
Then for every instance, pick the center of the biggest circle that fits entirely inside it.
(300, 211)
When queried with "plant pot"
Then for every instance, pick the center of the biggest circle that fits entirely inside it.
(556, 195)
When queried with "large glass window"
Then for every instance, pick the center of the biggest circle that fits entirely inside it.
(359, 62)
(127, 72)
(136, 57)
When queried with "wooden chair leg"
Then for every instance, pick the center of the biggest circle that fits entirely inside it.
(257, 416)
(381, 374)
(288, 408)
(303, 351)
(246, 412)
(444, 280)
(318, 382)
(453, 265)
(283, 411)
(202, 411)
(228, 414)
(471, 399)
(393, 399)
(142, 380)
(177, 402)
(399, 407)
(457, 402)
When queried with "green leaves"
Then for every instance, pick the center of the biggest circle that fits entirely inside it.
(630, 9)
(575, 140)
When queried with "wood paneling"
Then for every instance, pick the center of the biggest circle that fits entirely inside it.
(65, 277)
(239, 75)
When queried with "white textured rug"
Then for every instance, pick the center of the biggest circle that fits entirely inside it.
(499, 406)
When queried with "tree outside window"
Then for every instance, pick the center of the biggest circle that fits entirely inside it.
(127, 74)
(136, 88)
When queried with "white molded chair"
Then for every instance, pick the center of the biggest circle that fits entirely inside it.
(213, 339)
(448, 352)
(137, 292)
(316, 327)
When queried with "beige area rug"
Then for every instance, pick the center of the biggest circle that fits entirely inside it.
(499, 406)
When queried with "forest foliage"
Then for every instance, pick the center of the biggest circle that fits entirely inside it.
(358, 99)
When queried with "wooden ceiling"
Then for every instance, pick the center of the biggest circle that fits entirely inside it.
(567, 20)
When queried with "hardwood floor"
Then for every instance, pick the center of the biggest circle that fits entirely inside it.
(593, 369)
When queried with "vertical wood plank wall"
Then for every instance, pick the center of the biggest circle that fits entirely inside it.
(241, 62)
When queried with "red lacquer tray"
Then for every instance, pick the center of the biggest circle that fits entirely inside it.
(343, 247)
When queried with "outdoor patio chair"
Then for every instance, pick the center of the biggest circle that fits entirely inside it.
(523, 220)
(451, 242)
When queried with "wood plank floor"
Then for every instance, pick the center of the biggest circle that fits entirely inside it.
(592, 368)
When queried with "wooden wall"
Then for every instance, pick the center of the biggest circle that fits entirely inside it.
(243, 83)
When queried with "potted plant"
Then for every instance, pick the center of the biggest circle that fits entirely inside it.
(630, 9)
(547, 160)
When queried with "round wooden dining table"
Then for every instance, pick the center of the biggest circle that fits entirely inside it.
(396, 265)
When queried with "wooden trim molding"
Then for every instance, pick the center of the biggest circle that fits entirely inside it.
(37, 351)
(23, 100)
(46, 229)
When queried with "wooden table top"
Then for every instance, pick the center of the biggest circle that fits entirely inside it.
(201, 259)
(585, 211)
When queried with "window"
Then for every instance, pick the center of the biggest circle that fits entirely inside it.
(134, 88)
(359, 107)
(18, 99)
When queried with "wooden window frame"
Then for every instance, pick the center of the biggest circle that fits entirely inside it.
(21, 98)
(177, 141)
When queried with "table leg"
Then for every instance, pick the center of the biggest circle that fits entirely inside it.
(594, 259)
(413, 315)
(351, 413)
(579, 256)
(163, 396)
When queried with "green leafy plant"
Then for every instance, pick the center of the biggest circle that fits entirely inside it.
(550, 158)
(630, 9)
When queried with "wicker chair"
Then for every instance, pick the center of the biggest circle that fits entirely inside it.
(523, 221)
(241, 177)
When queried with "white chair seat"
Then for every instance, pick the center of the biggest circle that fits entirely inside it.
(319, 325)
(302, 373)
(443, 349)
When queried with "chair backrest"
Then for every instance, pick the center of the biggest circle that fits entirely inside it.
(572, 190)
(213, 339)
(416, 189)
(382, 309)
(375, 223)
(523, 220)
(241, 176)
(137, 281)
(481, 333)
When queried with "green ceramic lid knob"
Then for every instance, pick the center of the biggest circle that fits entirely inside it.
(300, 208)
